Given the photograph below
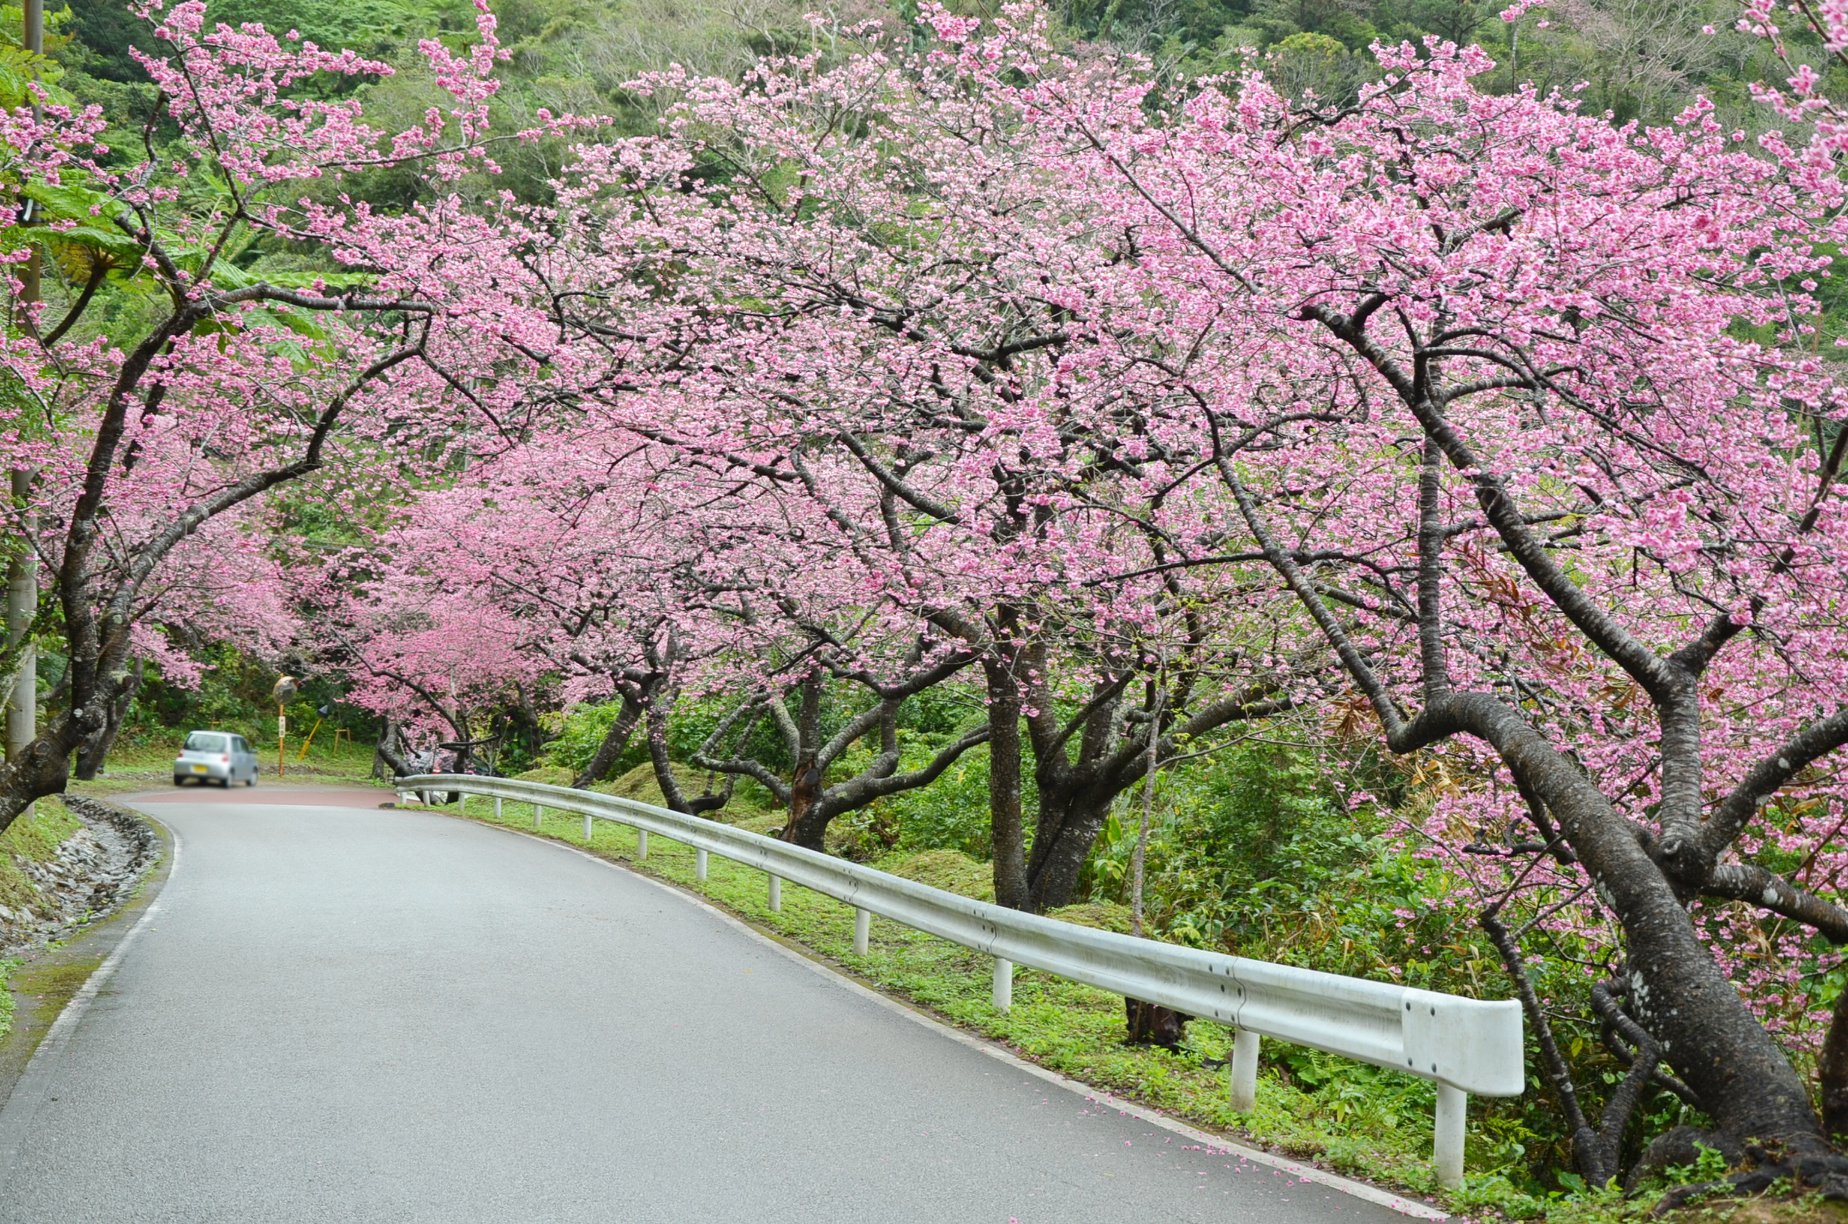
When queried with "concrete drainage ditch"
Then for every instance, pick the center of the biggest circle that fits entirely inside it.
(83, 881)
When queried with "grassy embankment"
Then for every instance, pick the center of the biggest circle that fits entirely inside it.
(34, 837)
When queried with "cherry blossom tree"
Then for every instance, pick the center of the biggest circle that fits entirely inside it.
(1555, 378)
(887, 308)
(241, 380)
(1519, 410)
(1159, 408)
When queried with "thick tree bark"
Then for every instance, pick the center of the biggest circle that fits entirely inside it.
(95, 751)
(1152, 1024)
(1676, 988)
(387, 750)
(615, 743)
(1008, 828)
(1832, 1072)
(1070, 818)
(808, 816)
(41, 769)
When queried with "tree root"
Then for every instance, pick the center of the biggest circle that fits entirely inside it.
(1680, 1146)
(1813, 1169)
(1152, 1024)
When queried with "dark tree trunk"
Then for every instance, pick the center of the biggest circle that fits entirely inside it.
(1071, 815)
(614, 744)
(95, 751)
(808, 816)
(1079, 768)
(1677, 990)
(1153, 1024)
(1008, 827)
(671, 794)
(388, 752)
(1832, 1072)
(40, 770)
(665, 779)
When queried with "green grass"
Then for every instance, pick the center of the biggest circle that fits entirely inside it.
(7, 966)
(1379, 1130)
(34, 836)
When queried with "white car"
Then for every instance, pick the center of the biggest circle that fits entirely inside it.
(217, 756)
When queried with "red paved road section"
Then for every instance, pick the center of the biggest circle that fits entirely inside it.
(271, 793)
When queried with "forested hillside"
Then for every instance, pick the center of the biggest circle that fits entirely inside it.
(1634, 58)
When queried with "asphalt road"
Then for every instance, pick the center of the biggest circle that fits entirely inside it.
(347, 1014)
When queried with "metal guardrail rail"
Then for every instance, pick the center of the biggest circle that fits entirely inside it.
(1463, 1045)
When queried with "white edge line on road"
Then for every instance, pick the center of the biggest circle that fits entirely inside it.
(29, 1093)
(1217, 1143)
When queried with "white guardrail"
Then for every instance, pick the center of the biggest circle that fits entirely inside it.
(1464, 1045)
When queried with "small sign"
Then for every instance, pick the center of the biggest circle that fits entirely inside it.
(282, 725)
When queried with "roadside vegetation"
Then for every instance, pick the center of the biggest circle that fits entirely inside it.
(34, 838)
(1357, 1120)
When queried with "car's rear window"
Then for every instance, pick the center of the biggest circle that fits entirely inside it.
(204, 741)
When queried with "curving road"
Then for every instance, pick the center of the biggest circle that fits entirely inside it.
(338, 1013)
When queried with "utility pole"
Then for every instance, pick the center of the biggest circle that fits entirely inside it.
(22, 570)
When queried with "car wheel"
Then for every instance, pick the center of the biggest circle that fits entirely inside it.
(179, 781)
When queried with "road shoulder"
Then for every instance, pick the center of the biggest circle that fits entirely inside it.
(47, 980)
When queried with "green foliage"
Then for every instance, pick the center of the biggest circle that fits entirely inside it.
(945, 869)
(6, 997)
(234, 695)
(950, 814)
(34, 837)
(108, 29)
(580, 732)
(37, 834)
(1251, 849)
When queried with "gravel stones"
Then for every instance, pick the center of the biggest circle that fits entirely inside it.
(90, 873)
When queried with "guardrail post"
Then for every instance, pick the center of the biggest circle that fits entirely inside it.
(776, 894)
(497, 807)
(1244, 1070)
(641, 844)
(587, 828)
(1452, 1109)
(862, 927)
(461, 803)
(538, 811)
(1004, 984)
(699, 864)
